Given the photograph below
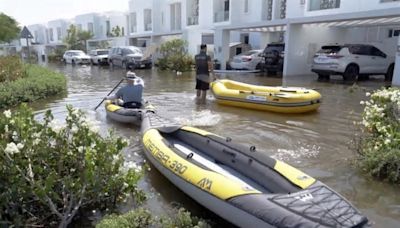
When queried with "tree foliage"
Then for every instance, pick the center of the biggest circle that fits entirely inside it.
(174, 56)
(76, 39)
(115, 32)
(9, 29)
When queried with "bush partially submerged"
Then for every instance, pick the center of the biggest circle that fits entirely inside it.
(379, 145)
(174, 56)
(142, 218)
(38, 83)
(50, 171)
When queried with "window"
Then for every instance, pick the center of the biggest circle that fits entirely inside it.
(147, 20)
(51, 34)
(90, 27)
(246, 6)
(394, 33)
(59, 33)
(36, 36)
(376, 52)
(108, 28)
(283, 9)
(324, 4)
(133, 22)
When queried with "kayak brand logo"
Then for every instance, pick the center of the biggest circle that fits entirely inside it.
(205, 184)
(304, 197)
(256, 98)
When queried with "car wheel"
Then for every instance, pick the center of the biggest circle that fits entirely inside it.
(271, 72)
(111, 64)
(258, 66)
(351, 73)
(323, 77)
(73, 61)
(389, 73)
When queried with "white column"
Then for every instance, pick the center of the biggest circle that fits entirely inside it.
(221, 46)
(396, 73)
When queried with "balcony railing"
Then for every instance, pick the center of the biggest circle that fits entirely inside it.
(221, 16)
(193, 20)
(324, 4)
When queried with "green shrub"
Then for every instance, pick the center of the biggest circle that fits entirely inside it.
(379, 145)
(39, 83)
(11, 68)
(50, 172)
(142, 218)
(174, 56)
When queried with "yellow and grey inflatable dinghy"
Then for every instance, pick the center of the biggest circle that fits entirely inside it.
(126, 115)
(241, 184)
(265, 98)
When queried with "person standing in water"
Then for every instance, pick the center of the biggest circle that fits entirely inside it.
(203, 68)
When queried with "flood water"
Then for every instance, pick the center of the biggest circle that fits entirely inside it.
(318, 143)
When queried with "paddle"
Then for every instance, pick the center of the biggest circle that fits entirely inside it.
(109, 93)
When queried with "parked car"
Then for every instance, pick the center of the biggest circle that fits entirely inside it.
(352, 61)
(249, 60)
(273, 57)
(99, 56)
(76, 57)
(129, 57)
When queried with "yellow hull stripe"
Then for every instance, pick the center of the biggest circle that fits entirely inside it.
(294, 175)
(212, 182)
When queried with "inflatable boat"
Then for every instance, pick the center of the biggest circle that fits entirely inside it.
(266, 98)
(242, 185)
(125, 115)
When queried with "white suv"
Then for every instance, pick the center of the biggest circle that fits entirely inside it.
(76, 57)
(352, 61)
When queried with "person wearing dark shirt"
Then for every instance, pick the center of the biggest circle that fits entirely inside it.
(203, 68)
(131, 93)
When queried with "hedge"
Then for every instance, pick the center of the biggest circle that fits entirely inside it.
(39, 83)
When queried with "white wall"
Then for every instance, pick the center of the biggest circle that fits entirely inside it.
(396, 74)
(349, 6)
(375, 35)
(39, 33)
(138, 6)
(63, 24)
(302, 41)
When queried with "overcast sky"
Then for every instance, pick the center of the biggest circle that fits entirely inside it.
(28, 12)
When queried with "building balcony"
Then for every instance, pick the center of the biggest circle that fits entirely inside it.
(221, 16)
(193, 20)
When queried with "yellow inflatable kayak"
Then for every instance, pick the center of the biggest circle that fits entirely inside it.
(240, 184)
(266, 98)
(125, 115)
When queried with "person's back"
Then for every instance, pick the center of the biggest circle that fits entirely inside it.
(131, 93)
(202, 60)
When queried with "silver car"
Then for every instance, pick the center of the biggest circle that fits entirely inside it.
(352, 61)
(76, 57)
(99, 56)
(247, 61)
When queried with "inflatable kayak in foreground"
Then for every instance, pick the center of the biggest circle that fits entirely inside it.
(125, 115)
(243, 186)
(266, 98)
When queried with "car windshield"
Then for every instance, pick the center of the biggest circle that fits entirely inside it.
(77, 53)
(331, 49)
(105, 52)
(271, 48)
(250, 53)
(132, 50)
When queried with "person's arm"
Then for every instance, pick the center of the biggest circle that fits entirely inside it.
(117, 95)
(211, 68)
